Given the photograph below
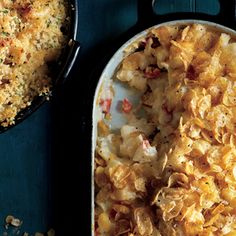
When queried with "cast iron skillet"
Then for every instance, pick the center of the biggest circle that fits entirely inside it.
(146, 20)
(60, 69)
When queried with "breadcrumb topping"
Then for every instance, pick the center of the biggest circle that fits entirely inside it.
(30, 37)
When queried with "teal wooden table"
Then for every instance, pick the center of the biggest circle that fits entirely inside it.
(42, 160)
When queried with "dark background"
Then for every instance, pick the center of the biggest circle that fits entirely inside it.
(45, 162)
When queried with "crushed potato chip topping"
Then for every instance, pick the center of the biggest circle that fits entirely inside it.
(173, 172)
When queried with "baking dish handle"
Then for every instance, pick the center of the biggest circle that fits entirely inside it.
(67, 64)
(147, 16)
(227, 12)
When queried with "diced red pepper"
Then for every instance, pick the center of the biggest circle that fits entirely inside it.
(105, 105)
(152, 72)
(126, 105)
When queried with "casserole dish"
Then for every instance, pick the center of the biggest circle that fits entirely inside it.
(116, 121)
(14, 110)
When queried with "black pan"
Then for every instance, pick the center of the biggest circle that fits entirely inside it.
(146, 18)
(60, 69)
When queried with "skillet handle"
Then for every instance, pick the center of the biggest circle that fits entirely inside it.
(68, 63)
(147, 16)
(146, 13)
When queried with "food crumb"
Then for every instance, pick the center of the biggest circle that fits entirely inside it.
(11, 220)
